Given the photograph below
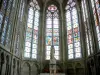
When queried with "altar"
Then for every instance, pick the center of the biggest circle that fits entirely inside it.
(52, 74)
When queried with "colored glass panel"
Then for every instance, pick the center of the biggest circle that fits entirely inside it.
(52, 31)
(32, 31)
(73, 34)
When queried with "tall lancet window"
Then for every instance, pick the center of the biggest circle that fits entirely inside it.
(73, 33)
(96, 14)
(31, 40)
(52, 31)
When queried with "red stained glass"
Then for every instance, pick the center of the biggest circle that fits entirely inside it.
(69, 36)
(70, 41)
(52, 8)
(69, 32)
(52, 24)
(35, 36)
(35, 32)
(56, 40)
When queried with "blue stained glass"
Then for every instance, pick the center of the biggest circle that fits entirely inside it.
(73, 36)
(52, 24)
(32, 29)
(48, 40)
(56, 47)
(28, 34)
(5, 3)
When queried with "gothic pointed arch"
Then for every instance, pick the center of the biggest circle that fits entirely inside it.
(73, 30)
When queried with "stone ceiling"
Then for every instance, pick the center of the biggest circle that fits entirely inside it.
(56, 0)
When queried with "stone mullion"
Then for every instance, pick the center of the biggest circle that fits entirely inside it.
(39, 36)
(43, 36)
(61, 33)
(62, 36)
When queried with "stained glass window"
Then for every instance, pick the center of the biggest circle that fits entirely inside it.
(96, 14)
(5, 31)
(52, 31)
(73, 33)
(10, 23)
(87, 28)
(2, 11)
(31, 40)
